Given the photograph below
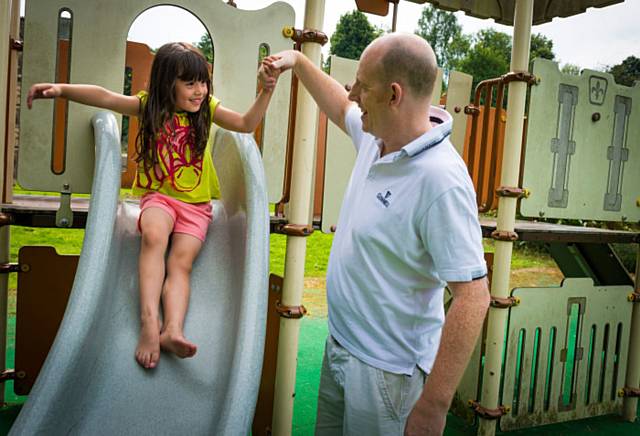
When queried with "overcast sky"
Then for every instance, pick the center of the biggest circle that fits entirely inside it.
(595, 39)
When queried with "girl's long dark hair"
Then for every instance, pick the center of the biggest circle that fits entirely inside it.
(173, 61)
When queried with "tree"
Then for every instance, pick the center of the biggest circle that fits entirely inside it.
(490, 54)
(541, 47)
(626, 72)
(571, 69)
(206, 47)
(353, 34)
(488, 57)
(443, 32)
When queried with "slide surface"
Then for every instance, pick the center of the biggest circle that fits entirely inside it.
(91, 384)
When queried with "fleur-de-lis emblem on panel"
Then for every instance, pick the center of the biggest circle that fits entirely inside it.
(597, 89)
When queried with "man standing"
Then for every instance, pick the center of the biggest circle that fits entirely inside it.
(408, 226)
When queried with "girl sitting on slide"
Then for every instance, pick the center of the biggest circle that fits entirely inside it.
(175, 177)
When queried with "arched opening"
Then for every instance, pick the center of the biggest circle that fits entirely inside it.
(149, 31)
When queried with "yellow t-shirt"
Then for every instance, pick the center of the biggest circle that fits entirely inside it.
(179, 173)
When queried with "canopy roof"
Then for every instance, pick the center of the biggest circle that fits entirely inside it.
(502, 10)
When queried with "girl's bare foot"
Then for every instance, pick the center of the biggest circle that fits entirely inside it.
(148, 349)
(176, 343)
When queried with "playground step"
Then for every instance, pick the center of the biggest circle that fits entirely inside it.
(597, 261)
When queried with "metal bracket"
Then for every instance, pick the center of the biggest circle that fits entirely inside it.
(291, 312)
(300, 36)
(6, 219)
(11, 374)
(629, 392)
(472, 110)
(504, 303)
(16, 44)
(504, 235)
(634, 297)
(511, 191)
(489, 414)
(6, 268)
(294, 229)
(521, 76)
(64, 214)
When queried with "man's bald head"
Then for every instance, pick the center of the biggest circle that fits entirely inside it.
(406, 59)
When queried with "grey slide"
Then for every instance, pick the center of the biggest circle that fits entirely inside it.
(91, 384)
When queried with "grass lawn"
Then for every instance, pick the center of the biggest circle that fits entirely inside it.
(69, 241)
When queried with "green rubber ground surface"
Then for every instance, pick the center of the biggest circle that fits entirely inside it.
(312, 337)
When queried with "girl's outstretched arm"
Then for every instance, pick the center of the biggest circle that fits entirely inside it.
(247, 122)
(90, 95)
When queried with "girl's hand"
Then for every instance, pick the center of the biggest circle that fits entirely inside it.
(43, 90)
(268, 75)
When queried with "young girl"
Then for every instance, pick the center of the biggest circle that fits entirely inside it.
(175, 177)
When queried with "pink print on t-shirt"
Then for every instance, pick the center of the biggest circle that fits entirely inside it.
(177, 160)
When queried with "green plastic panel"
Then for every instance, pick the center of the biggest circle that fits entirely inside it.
(340, 154)
(99, 33)
(575, 372)
(458, 95)
(582, 157)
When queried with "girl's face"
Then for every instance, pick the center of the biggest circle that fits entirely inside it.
(190, 95)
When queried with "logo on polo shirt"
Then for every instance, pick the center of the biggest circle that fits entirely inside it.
(384, 199)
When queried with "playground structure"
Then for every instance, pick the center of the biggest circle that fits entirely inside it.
(571, 351)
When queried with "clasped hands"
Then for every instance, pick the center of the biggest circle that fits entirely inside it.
(273, 65)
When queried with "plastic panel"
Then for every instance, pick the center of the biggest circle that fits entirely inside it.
(99, 33)
(582, 158)
(547, 308)
(458, 94)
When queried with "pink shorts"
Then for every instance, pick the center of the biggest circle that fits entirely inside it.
(190, 218)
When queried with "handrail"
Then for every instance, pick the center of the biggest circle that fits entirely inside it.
(489, 148)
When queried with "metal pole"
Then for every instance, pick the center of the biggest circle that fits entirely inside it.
(523, 17)
(5, 27)
(299, 213)
(395, 14)
(632, 379)
(12, 100)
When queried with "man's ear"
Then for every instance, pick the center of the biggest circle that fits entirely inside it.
(397, 93)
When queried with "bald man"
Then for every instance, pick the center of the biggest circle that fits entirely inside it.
(408, 226)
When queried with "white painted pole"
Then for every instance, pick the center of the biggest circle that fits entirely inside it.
(632, 379)
(299, 213)
(506, 212)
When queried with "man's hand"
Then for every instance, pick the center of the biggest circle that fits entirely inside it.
(328, 93)
(283, 61)
(425, 420)
(272, 66)
(42, 90)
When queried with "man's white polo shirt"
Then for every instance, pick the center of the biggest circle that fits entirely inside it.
(408, 225)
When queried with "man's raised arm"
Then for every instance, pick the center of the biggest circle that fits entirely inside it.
(330, 96)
